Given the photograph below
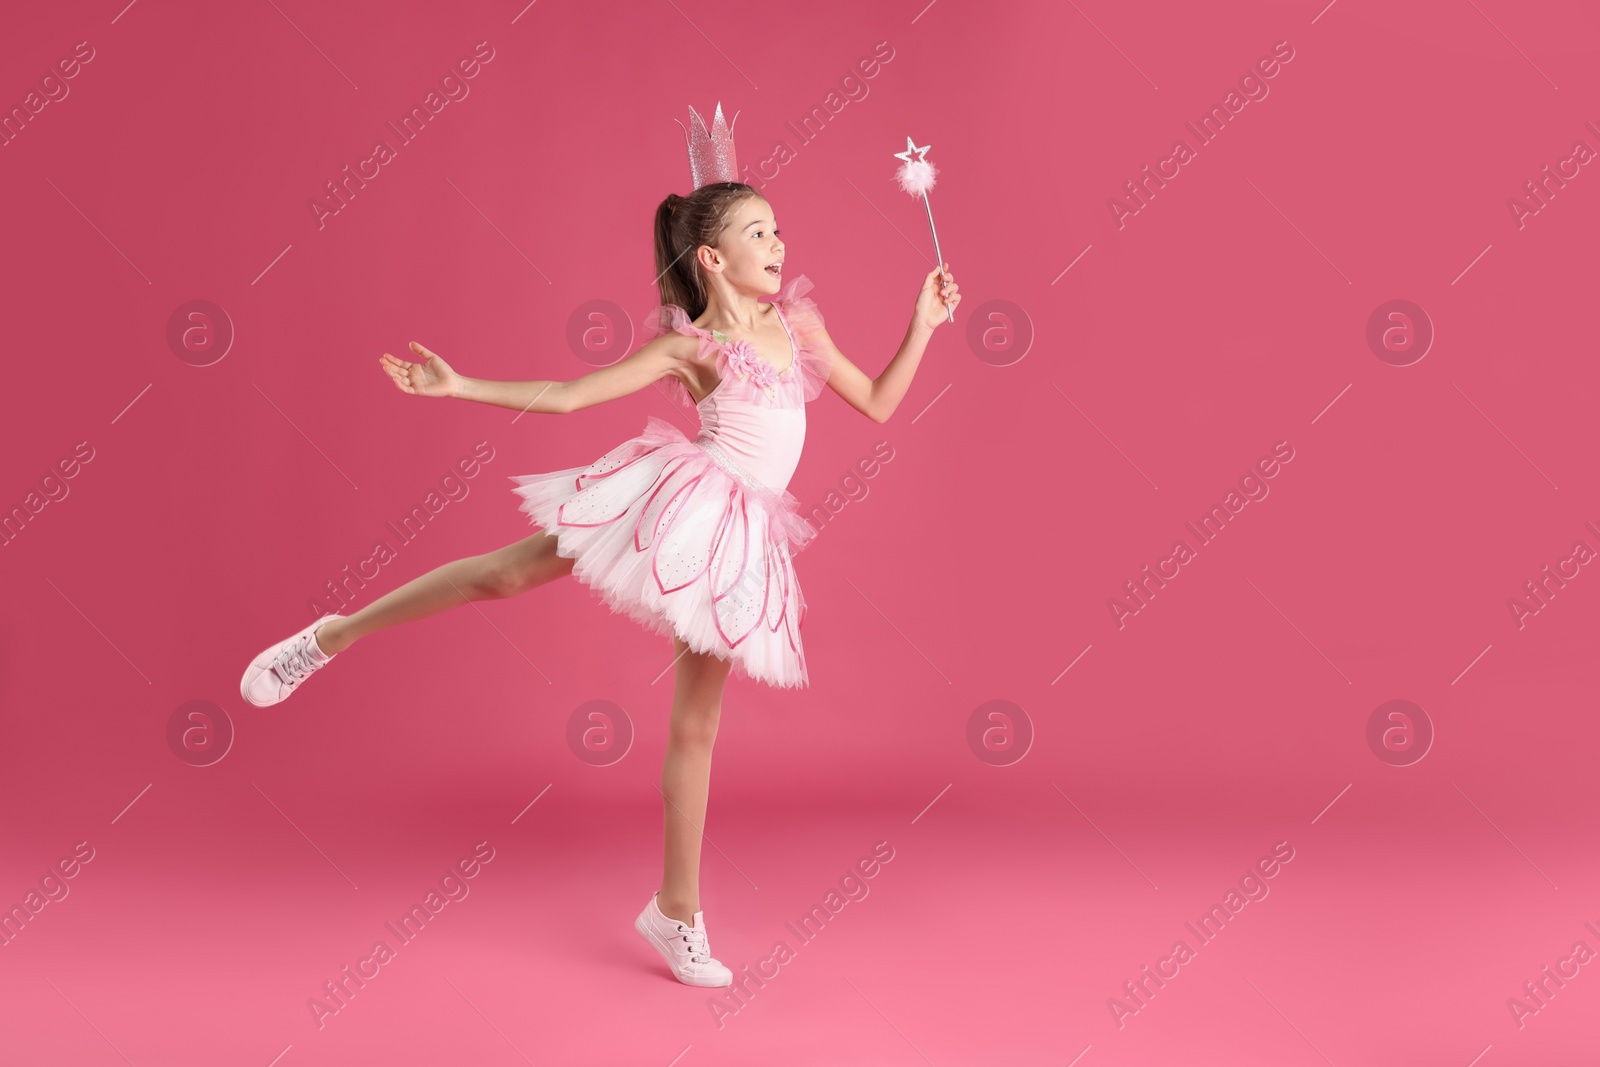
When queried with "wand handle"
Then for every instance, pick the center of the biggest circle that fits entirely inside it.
(948, 310)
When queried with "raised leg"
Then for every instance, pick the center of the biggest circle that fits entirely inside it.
(686, 775)
(505, 572)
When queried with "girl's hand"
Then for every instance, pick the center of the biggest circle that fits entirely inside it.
(431, 377)
(939, 291)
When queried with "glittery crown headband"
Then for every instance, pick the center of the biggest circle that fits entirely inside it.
(711, 156)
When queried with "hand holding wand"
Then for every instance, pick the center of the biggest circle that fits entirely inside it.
(916, 177)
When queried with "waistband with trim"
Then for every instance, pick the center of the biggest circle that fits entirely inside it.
(725, 461)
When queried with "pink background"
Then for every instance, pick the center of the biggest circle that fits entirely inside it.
(1231, 713)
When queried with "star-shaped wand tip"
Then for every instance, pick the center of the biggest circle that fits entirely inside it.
(911, 148)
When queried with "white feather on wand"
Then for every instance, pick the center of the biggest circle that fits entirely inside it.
(916, 177)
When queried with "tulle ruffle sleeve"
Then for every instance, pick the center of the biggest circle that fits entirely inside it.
(805, 320)
(670, 318)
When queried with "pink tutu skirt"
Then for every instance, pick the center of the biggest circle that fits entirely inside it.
(666, 530)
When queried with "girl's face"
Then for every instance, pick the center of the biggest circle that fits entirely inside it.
(751, 253)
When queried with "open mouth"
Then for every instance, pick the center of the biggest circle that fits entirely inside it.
(775, 269)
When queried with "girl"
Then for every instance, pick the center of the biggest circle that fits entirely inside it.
(693, 538)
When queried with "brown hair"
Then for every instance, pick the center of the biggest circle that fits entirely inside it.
(683, 224)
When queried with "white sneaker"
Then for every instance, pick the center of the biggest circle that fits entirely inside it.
(684, 947)
(278, 671)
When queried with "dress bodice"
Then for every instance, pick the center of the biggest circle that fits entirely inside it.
(754, 420)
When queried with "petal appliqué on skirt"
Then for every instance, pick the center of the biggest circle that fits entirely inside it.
(663, 533)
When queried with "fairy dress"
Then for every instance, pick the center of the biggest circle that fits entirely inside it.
(697, 535)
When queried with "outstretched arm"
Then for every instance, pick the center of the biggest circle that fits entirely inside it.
(877, 398)
(434, 377)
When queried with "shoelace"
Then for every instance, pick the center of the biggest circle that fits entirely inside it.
(699, 950)
(294, 662)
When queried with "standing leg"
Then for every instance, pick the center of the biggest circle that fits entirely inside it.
(686, 775)
(505, 572)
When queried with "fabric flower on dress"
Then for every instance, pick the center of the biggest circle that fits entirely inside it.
(747, 363)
